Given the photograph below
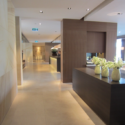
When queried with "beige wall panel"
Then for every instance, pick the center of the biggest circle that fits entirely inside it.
(39, 52)
(8, 73)
(27, 52)
(19, 51)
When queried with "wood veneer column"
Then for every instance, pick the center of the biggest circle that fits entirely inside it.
(111, 36)
(73, 43)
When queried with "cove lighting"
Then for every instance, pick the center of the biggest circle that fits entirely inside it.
(34, 29)
(36, 41)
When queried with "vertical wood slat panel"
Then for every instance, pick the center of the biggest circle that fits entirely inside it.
(74, 43)
(74, 46)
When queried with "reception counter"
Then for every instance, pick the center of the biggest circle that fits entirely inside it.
(55, 62)
(105, 97)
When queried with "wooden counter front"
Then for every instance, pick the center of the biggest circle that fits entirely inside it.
(104, 97)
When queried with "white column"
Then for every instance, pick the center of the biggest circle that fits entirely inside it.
(19, 51)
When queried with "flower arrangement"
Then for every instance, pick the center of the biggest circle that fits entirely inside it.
(96, 61)
(106, 64)
(116, 64)
(103, 62)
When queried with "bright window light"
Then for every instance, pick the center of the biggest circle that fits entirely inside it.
(118, 49)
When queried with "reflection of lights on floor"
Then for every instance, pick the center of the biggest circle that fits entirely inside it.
(26, 84)
(44, 91)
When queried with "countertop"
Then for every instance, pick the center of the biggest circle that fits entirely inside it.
(55, 57)
(107, 80)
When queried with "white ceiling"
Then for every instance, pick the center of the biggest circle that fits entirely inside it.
(48, 30)
(53, 12)
(109, 14)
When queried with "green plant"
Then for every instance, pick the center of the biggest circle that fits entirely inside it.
(54, 50)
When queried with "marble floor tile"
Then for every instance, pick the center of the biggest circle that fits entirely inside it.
(44, 100)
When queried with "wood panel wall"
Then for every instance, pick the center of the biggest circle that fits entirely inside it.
(96, 42)
(74, 43)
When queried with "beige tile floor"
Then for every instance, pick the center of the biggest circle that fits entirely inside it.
(44, 100)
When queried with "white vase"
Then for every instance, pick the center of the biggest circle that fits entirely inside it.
(98, 70)
(105, 72)
(116, 74)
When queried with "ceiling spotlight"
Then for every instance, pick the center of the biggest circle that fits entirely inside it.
(119, 32)
(87, 9)
(40, 23)
(119, 13)
(69, 8)
(41, 11)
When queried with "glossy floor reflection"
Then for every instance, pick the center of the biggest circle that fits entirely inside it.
(44, 100)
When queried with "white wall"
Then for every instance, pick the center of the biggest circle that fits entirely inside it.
(8, 74)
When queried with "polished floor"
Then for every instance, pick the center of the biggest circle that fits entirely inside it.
(44, 100)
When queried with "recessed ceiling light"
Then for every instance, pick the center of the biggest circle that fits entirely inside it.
(69, 8)
(41, 11)
(119, 32)
(119, 13)
(87, 9)
(40, 23)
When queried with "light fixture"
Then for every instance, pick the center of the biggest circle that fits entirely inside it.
(40, 23)
(119, 32)
(69, 8)
(87, 9)
(119, 13)
(41, 11)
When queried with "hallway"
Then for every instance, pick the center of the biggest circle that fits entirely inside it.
(44, 100)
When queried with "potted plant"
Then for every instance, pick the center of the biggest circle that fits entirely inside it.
(116, 65)
(97, 62)
(105, 67)
(54, 52)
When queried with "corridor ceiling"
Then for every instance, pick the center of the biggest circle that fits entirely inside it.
(56, 10)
